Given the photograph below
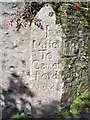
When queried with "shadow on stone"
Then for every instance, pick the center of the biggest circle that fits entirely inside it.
(17, 98)
(45, 110)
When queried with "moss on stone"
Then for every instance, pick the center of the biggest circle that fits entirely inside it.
(74, 20)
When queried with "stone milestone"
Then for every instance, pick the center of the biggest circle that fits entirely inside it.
(45, 63)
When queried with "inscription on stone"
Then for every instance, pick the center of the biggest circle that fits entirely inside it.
(45, 58)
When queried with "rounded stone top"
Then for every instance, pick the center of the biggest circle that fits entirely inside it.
(46, 16)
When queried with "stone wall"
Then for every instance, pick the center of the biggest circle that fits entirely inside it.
(75, 24)
(15, 94)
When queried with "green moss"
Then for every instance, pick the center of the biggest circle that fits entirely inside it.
(84, 65)
(85, 23)
(74, 20)
(84, 57)
(18, 116)
(77, 13)
(73, 110)
(62, 73)
(66, 59)
(76, 50)
(80, 80)
(61, 16)
(66, 55)
(78, 101)
(84, 95)
(51, 14)
(74, 59)
(57, 19)
(70, 67)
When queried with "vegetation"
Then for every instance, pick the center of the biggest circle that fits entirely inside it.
(24, 17)
(19, 116)
(80, 104)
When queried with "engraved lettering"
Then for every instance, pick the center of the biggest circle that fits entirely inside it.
(49, 55)
(55, 75)
(45, 76)
(42, 65)
(36, 64)
(55, 65)
(42, 54)
(36, 75)
(49, 44)
(34, 43)
(54, 44)
(42, 44)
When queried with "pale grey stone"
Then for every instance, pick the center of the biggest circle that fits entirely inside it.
(11, 56)
(45, 63)
(40, 95)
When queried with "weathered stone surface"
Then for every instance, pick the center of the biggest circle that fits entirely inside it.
(17, 87)
(46, 63)
(15, 94)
